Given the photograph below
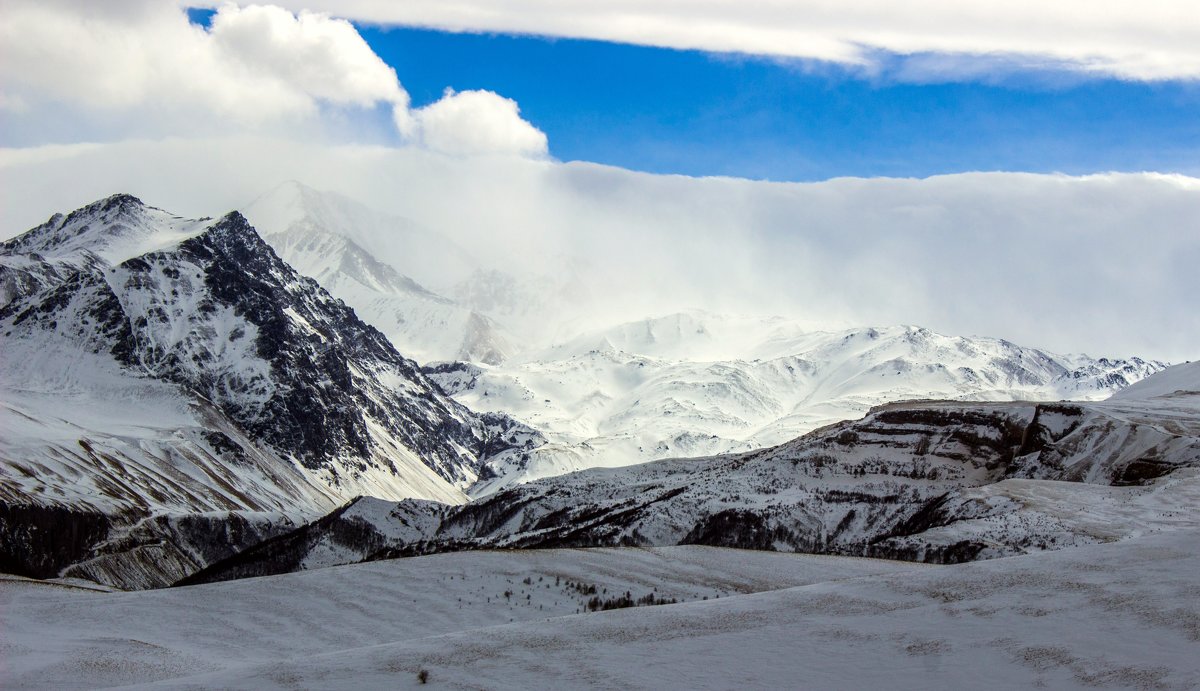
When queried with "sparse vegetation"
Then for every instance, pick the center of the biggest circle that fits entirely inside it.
(596, 604)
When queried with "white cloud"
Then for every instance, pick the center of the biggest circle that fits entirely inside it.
(324, 58)
(1103, 264)
(472, 122)
(257, 64)
(138, 68)
(1149, 39)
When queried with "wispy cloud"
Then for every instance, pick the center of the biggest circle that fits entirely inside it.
(1147, 40)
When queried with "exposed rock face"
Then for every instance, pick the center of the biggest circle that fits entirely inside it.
(164, 366)
(40, 541)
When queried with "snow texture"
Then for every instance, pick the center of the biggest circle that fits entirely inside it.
(1119, 615)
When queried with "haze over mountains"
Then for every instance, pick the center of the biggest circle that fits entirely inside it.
(686, 384)
(430, 296)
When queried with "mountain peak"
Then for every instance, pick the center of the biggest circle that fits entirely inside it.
(107, 209)
(290, 204)
(114, 228)
(209, 306)
(234, 237)
(121, 201)
(305, 220)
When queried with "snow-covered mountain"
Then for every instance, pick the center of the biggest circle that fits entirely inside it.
(431, 297)
(930, 481)
(159, 367)
(697, 384)
(154, 364)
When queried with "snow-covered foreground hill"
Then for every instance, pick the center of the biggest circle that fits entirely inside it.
(928, 481)
(1121, 615)
(51, 630)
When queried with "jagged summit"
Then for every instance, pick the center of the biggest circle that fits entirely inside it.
(169, 367)
(210, 308)
(114, 229)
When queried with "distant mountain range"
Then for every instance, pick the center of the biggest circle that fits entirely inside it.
(681, 385)
(671, 387)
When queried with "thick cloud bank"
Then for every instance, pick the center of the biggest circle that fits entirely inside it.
(1150, 39)
(1103, 264)
(136, 67)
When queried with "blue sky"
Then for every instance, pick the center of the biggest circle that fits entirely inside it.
(672, 111)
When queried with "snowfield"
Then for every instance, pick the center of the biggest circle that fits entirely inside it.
(58, 635)
(1121, 615)
(695, 384)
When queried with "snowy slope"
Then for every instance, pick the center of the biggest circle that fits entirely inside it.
(1119, 615)
(230, 625)
(342, 245)
(1180, 381)
(698, 384)
(156, 364)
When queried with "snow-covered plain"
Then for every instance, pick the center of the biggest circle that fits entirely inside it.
(62, 635)
(1121, 615)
